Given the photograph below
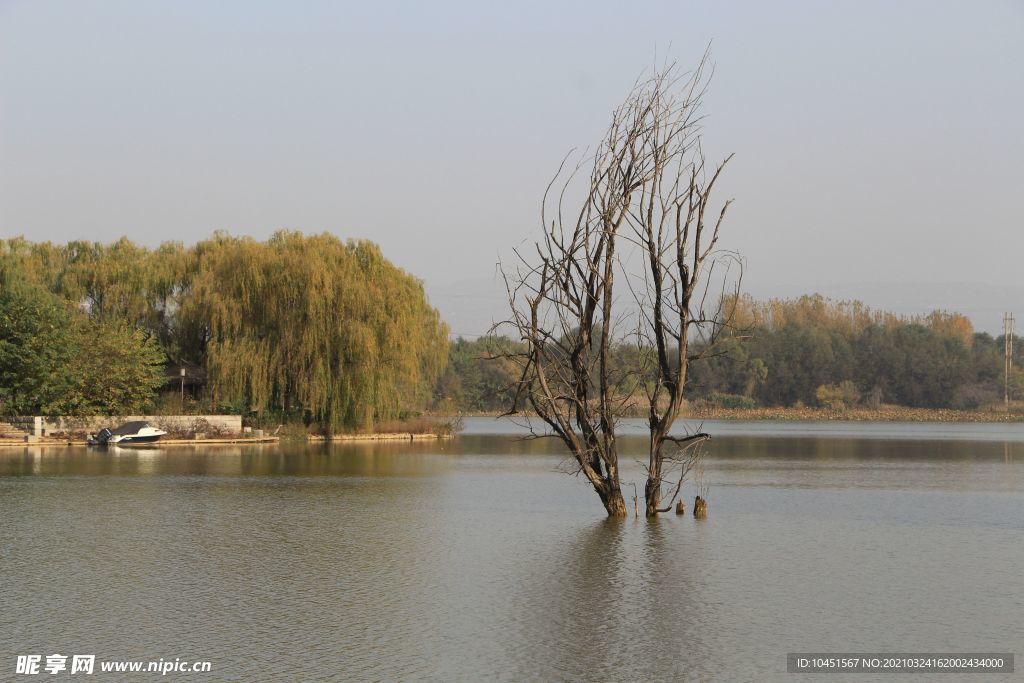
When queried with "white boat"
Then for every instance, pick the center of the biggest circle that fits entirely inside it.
(128, 433)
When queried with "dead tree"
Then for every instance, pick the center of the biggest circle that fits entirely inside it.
(642, 222)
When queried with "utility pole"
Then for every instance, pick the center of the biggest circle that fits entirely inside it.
(1008, 348)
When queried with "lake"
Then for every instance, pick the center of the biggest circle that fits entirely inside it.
(478, 558)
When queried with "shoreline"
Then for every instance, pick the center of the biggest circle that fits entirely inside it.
(885, 414)
(890, 414)
(882, 414)
(382, 436)
(156, 444)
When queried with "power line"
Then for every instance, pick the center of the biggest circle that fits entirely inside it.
(1008, 348)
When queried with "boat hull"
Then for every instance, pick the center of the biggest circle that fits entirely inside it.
(124, 441)
(130, 433)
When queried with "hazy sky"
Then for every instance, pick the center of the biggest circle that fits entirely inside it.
(879, 145)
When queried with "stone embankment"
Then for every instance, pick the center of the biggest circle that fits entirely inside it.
(182, 430)
(9, 432)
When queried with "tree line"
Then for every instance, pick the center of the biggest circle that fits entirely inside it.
(316, 329)
(807, 351)
(300, 326)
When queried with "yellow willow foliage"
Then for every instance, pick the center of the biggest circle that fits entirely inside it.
(847, 317)
(122, 280)
(40, 263)
(313, 323)
(295, 323)
(951, 325)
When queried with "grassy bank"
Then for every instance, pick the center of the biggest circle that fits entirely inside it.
(420, 427)
(880, 414)
(815, 414)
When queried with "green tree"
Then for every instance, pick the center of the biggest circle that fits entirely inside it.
(913, 365)
(34, 347)
(480, 376)
(734, 370)
(56, 361)
(114, 370)
(799, 358)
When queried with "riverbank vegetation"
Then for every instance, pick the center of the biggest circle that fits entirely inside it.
(297, 328)
(811, 356)
(314, 331)
(815, 352)
(57, 360)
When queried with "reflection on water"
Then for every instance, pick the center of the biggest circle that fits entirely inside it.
(228, 460)
(475, 559)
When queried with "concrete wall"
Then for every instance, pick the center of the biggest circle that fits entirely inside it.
(31, 425)
(226, 425)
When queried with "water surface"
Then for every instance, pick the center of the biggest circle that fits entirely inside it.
(477, 559)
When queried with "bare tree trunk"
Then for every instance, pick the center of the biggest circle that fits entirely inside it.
(652, 494)
(644, 214)
(613, 501)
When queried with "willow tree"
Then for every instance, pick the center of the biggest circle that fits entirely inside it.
(644, 222)
(121, 283)
(312, 324)
(38, 263)
(126, 283)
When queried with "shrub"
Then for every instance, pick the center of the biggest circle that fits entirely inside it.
(720, 400)
(421, 425)
(976, 395)
(836, 396)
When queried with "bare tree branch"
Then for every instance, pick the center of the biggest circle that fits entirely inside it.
(643, 217)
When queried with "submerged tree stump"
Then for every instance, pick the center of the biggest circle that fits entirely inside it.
(680, 508)
(700, 508)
